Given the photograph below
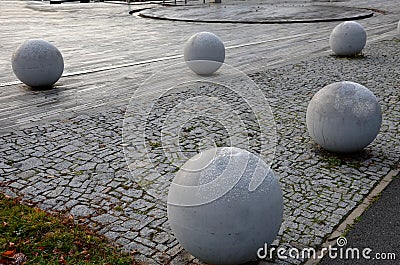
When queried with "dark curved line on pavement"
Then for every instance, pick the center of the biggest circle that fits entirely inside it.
(259, 22)
(138, 10)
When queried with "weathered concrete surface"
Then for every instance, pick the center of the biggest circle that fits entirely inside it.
(37, 63)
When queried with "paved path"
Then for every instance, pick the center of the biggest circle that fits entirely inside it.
(63, 147)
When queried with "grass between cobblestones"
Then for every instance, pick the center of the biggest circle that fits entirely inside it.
(29, 235)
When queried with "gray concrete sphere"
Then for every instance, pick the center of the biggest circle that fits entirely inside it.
(348, 38)
(398, 27)
(344, 117)
(224, 204)
(204, 53)
(37, 63)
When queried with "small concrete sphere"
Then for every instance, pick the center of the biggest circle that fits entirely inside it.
(37, 63)
(224, 204)
(344, 117)
(204, 53)
(348, 38)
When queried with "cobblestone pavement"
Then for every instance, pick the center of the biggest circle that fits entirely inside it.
(321, 188)
(74, 161)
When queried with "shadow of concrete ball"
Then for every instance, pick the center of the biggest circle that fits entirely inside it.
(37, 63)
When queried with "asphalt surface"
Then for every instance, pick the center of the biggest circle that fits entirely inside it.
(378, 229)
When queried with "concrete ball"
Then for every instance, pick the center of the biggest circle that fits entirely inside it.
(398, 27)
(224, 204)
(37, 63)
(348, 38)
(204, 53)
(344, 117)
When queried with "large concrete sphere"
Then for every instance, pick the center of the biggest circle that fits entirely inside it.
(348, 38)
(37, 63)
(204, 53)
(224, 204)
(344, 117)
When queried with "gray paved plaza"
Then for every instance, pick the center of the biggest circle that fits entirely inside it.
(66, 148)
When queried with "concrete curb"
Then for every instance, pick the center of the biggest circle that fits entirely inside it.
(364, 16)
(357, 212)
